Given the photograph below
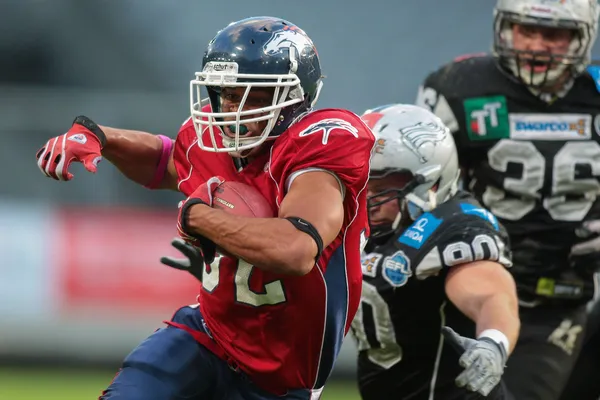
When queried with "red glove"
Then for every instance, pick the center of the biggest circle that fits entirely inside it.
(202, 195)
(82, 143)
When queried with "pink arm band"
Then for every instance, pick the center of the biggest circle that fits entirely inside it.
(161, 168)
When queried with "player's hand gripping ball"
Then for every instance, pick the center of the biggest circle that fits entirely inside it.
(232, 197)
(240, 199)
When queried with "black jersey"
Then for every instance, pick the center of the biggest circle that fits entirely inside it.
(404, 305)
(534, 164)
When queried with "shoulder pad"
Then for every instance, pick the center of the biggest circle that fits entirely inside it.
(480, 212)
(464, 233)
(466, 63)
(460, 78)
(443, 220)
(322, 123)
(419, 232)
(468, 56)
(594, 71)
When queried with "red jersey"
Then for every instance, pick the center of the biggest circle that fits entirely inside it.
(285, 331)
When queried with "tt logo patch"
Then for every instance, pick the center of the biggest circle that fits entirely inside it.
(486, 118)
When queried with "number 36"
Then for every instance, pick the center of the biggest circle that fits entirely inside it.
(524, 192)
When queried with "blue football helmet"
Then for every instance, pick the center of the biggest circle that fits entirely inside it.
(257, 52)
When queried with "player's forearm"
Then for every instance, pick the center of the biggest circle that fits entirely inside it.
(137, 155)
(271, 244)
(498, 311)
(486, 293)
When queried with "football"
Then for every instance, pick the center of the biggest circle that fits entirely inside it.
(240, 199)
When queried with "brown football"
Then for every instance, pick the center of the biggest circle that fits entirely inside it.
(240, 199)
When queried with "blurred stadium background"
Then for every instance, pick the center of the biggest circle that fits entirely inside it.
(80, 280)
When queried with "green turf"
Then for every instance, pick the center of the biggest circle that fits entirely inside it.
(47, 384)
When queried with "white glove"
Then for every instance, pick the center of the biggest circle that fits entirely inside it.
(483, 360)
(589, 230)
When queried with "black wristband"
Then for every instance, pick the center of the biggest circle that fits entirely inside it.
(184, 214)
(92, 127)
(308, 228)
(207, 246)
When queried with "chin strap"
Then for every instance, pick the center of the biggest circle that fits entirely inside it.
(422, 204)
(397, 220)
(240, 162)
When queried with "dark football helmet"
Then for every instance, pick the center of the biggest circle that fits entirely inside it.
(257, 52)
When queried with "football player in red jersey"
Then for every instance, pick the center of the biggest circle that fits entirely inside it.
(270, 322)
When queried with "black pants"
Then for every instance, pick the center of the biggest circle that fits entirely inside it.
(550, 340)
(584, 383)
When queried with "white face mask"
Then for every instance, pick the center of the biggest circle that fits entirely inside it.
(287, 91)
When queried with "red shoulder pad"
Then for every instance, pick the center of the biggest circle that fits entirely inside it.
(328, 125)
(331, 139)
(469, 55)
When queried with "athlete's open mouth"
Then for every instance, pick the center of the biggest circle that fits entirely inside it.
(537, 66)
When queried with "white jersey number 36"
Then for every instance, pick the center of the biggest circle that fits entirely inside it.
(524, 192)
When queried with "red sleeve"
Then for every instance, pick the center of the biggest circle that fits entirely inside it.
(195, 166)
(186, 138)
(333, 140)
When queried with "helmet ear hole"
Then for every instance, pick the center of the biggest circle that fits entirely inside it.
(435, 186)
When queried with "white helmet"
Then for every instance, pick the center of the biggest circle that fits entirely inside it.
(580, 16)
(412, 139)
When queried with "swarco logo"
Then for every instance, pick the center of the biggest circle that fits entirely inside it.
(578, 126)
(550, 126)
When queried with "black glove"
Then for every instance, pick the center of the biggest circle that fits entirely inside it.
(193, 261)
(202, 195)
